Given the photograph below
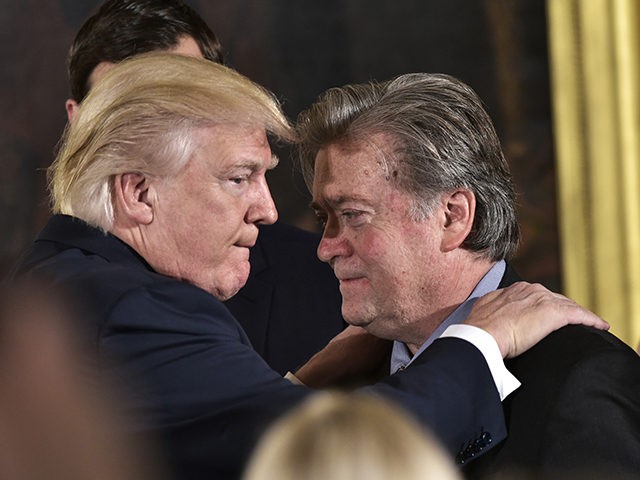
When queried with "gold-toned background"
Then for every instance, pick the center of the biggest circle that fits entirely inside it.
(595, 58)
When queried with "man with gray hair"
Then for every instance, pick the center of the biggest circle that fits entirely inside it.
(419, 209)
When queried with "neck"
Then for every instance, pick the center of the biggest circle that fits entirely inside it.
(457, 286)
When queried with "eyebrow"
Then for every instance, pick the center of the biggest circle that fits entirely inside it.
(333, 202)
(254, 165)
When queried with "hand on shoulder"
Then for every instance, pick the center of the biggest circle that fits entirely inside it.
(522, 314)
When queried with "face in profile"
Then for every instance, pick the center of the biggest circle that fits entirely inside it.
(205, 218)
(386, 261)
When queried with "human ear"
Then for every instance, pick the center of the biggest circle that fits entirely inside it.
(131, 194)
(459, 212)
(71, 106)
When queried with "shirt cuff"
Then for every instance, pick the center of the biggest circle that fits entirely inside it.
(505, 382)
(293, 379)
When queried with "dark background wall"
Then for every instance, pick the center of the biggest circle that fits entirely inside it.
(298, 49)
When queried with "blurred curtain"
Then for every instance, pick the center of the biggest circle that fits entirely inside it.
(594, 59)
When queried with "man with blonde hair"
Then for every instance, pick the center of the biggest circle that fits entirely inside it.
(290, 305)
(158, 189)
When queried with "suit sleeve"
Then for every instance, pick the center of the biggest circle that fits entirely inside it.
(197, 378)
(450, 390)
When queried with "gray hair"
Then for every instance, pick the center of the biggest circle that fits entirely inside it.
(441, 139)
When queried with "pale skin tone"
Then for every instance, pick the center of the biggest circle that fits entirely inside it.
(199, 225)
(158, 219)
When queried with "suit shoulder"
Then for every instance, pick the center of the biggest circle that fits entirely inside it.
(101, 289)
(569, 347)
(580, 338)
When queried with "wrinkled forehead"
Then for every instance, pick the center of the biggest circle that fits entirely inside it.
(343, 168)
(373, 154)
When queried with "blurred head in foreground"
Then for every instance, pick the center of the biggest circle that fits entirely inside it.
(348, 437)
(56, 424)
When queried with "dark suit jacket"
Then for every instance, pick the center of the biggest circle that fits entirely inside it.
(290, 306)
(577, 413)
(191, 375)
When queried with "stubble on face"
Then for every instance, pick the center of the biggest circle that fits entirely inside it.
(388, 263)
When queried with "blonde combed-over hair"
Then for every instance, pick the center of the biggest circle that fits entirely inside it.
(139, 118)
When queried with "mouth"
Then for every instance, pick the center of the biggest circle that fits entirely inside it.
(246, 243)
(350, 281)
(243, 249)
(343, 275)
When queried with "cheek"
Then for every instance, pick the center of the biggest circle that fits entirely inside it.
(230, 213)
(379, 252)
(369, 246)
(219, 223)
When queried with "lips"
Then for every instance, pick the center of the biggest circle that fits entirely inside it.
(349, 279)
(345, 276)
(248, 242)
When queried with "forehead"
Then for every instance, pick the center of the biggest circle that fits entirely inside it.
(225, 146)
(186, 46)
(352, 162)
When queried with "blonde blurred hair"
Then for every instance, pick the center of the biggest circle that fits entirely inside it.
(348, 437)
(139, 118)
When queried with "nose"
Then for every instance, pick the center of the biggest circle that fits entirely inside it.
(263, 209)
(333, 244)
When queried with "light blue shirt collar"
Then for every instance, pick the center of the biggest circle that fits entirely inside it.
(401, 356)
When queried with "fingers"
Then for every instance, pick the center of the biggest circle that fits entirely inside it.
(522, 314)
(576, 314)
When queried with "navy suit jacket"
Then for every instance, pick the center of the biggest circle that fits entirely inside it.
(290, 306)
(191, 375)
(577, 413)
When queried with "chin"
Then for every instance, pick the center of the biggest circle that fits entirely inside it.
(356, 318)
(225, 292)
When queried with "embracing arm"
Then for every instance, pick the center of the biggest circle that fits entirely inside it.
(517, 317)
